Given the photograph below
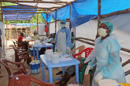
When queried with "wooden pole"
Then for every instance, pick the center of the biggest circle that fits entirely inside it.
(1, 12)
(47, 25)
(37, 22)
(99, 15)
(70, 16)
(37, 1)
(55, 22)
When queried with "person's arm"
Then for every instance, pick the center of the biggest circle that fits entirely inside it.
(92, 62)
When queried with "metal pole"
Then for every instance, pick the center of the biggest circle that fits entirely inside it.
(99, 15)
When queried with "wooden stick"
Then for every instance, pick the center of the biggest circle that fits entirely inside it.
(99, 15)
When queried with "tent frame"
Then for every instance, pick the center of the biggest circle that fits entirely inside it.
(18, 2)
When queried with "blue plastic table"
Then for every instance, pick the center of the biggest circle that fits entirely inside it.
(36, 47)
(62, 64)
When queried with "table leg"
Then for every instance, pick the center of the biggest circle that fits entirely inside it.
(37, 53)
(43, 72)
(33, 53)
(77, 73)
(50, 75)
(63, 71)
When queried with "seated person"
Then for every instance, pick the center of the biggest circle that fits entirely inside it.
(107, 56)
(20, 39)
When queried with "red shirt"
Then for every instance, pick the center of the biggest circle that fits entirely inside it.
(20, 38)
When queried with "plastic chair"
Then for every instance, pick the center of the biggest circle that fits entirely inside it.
(25, 80)
(79, 49)
(21, 54)
(87, 51)
(12, 68)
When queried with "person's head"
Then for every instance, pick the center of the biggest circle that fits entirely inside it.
(105, 29)
(35, 33)
(22, 34)
(62, 23)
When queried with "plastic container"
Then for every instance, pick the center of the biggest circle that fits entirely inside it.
(108, 82)
(125, 84)
(35, 66)
(56, 59)
(49, 54)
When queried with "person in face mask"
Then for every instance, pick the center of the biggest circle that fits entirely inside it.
(107, 56)
(63, 39)
(105, 29)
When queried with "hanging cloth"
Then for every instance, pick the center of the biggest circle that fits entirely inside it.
(46, 28)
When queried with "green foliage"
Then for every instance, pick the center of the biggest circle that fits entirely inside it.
(40, 19)
(33, 20)
(7, 4)
(17, 21)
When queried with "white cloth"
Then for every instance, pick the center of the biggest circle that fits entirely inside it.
(107, 82)
(98, 77)
(61, 43)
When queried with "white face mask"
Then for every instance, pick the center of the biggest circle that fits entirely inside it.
(102, 32)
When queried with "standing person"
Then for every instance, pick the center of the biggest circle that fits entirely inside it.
(107, 56)
(36, 36)
(20, 39)
(63, 39)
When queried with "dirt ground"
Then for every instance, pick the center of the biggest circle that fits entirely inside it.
(4, 76)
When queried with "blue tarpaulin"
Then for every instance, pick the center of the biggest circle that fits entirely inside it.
(12, 16)
(90, 7)
(85, 10)
(47, 17)
(81, 11)
(63, 13)
(78, 19)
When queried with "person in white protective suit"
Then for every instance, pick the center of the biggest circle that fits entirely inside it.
(107, 56)
(63, 39)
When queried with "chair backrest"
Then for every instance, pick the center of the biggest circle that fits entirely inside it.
(79, 49)
(13, 68)
(87, 51)
(20, 54)
(25, 80)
